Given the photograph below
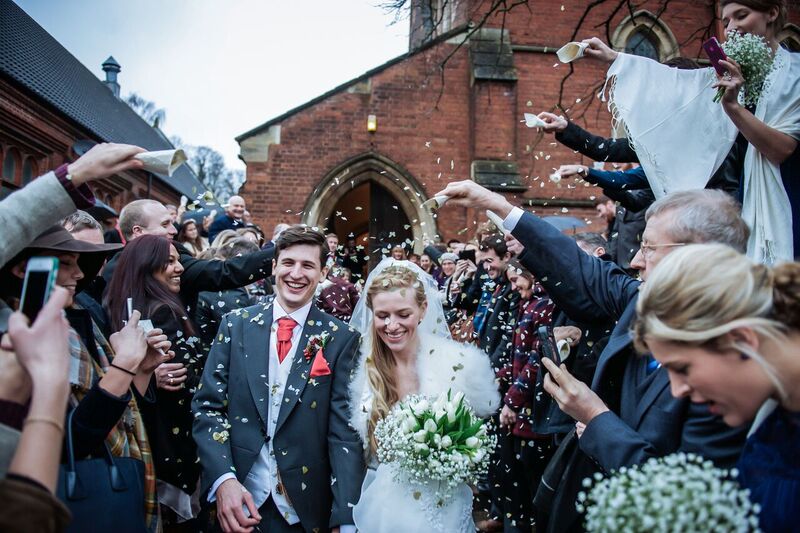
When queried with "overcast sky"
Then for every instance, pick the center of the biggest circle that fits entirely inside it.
(222, 67)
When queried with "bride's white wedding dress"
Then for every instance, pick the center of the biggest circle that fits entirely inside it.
(388, 506)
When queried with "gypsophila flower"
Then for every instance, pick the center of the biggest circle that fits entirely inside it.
(436, 442)
(756, 60)
(679, 492)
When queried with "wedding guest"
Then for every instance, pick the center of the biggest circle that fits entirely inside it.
(398, 253)
(27, 490)
(149, 272)
(615, 430)
(213, 305)
(103, 371)
(223, 238)
(253, 233)
(414, 258)
(340, 297)
(148, 217)
(232, 218)
(528, 452)
(732, 342)
(771, 201)
(189, 235)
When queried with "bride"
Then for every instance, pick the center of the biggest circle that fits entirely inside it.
(406, 349)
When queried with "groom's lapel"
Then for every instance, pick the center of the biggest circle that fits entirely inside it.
(256, 356)
(298, 375)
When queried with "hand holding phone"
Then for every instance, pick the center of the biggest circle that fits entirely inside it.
(40, 278)
(715, 53)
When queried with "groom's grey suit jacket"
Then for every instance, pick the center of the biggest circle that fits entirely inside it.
(319, 456)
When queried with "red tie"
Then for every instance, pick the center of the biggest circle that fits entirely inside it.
(285, 327)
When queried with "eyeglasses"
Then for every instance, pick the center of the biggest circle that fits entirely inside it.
(648, 249)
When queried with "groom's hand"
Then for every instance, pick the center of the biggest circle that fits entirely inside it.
(231, 496)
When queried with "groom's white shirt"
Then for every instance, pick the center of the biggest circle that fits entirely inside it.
(262, 480)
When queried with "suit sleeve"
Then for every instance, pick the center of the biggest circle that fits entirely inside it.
(209, 406)
(614, 444)
(634, 178)
(586, 288)
(633, 201)
(206, 275)
(344, 445)
(596, 147)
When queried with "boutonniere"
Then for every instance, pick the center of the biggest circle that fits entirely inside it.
(315, 344)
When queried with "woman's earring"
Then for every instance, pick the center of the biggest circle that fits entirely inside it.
(743, 356)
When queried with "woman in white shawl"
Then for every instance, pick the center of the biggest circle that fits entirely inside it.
(681, 136)
(406, 349)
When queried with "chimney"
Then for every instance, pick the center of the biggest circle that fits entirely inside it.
(111, 68)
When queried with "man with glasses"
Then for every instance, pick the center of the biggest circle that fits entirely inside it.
(628, 415)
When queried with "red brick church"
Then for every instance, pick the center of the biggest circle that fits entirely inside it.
(361, 158)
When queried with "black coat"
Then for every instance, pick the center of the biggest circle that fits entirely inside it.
(211, 275)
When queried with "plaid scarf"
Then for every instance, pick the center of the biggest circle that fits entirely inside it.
(128, 438)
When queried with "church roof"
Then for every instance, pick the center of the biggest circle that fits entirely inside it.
(363, 77)
(33, 59)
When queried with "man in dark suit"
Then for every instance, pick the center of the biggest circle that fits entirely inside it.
(628, 415)
(271, 414)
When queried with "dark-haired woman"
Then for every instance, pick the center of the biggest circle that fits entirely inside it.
(149, 272)
(189, 236)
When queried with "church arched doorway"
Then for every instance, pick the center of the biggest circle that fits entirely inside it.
(372, 201)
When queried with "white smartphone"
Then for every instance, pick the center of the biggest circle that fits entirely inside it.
(40, 278)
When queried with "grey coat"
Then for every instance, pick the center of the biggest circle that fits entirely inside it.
(319, 456)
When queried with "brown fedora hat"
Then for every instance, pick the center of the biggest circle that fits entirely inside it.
(58, 239)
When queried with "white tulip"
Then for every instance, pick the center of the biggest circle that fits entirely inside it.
(473, 442)
(430, 426)
(446, 441)
(420, 435)
(451, 415)
(421, 407)
(458, 397)
(420, 447)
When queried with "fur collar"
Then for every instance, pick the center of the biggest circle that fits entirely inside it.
(441, 364)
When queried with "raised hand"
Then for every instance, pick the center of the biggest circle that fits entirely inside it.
(103, 160)
(130, 344)
(467, 193)
(567, 171)
(732, 81)
(554, 123)
(599, 50)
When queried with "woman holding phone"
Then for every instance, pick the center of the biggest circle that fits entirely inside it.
(148, 272)
(658, 122)
(103, 372)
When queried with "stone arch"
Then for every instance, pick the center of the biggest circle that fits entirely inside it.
(370, 166)
(789, 37)
(657, 31)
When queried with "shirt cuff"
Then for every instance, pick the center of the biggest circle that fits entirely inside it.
(212, 494)
(347, 528)
(510, 222)
(563, 349)
(81, 196)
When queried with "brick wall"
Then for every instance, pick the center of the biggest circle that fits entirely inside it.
(436, 134)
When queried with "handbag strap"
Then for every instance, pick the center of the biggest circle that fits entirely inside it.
(71, 446)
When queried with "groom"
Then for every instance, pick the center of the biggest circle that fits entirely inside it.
(271, 413)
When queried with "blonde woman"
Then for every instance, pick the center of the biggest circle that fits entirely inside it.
(406, 349)
(728, 332)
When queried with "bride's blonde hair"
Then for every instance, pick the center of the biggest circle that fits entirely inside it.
(380, 363)
(700, 294)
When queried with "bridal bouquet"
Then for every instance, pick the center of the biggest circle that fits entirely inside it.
(679, 492)
(440, 441)
(756, 60)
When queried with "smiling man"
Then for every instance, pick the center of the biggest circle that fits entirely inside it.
(628, 415)
(271, 414)
(233, 217)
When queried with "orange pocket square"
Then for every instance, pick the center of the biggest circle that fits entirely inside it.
(320, 366)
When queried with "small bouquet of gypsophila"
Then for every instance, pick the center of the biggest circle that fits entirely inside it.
(439, 443)
(679, 492)
(756, 60)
